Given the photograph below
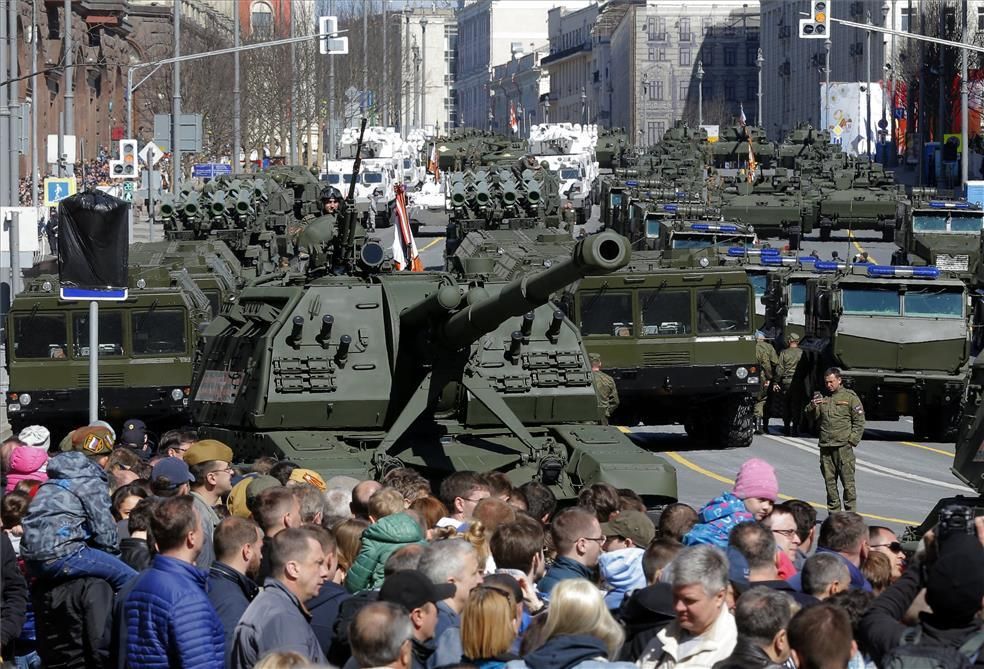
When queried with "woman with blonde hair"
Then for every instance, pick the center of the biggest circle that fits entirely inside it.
(579, 632)
(489, 625)
(348, 537)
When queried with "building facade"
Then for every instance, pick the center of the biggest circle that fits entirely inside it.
(657, 50)
(516, 89)
(428, 69)
(490, 32)
(569, 64)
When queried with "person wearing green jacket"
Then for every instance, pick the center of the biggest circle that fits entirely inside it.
(379, 541)
(840, 416)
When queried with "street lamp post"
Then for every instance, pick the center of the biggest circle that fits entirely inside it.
(584, 106)
(645, 106)
(546, 109)
(867, 120)
(759, 59)
(826, 88)
(700, 90)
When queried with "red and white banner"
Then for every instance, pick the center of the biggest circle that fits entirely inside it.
(513, 123)
(404, 246)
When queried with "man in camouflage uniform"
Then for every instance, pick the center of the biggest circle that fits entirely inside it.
(840, 417)
(767, 360)
(605, 389)
(568, 217)
(789, 360)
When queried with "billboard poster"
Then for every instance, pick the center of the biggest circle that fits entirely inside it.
(844, 110)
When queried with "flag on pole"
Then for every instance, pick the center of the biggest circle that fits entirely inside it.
(513, 123)
(404, 246)
(432, 164)
(752, 164)
(741, 117)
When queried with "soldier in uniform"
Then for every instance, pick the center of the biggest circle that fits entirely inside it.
(840, 416)
(789, 360)
(568, 217)
(605, 389)
(767, 360)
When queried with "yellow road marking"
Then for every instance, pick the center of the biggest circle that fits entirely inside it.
(927, 448)
(430, 244)
(693, 466)
(850, 235)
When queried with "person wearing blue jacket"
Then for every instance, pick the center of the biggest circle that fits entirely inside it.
(238, 544)
(170, 622)
(69, 529)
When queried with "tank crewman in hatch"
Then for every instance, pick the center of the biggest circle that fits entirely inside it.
(840, 417)
(605, 388)
(767, 360)
(783, 383)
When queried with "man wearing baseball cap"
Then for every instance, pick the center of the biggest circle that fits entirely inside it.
(210, 463)
(419, 596)
(626, 537)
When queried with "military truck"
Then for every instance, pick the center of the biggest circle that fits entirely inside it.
(901, 336)
(677, 340)
(359, 374)
(146, 352)
(944, 233)
(680, 229)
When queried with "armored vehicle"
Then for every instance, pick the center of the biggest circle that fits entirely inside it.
(146, 352)
(863, 198)
(901, 336)
(774, 207)
(613, 148)
(361, 373)
(677, 340)
(731, 151)
(680, 229)
(944, 233)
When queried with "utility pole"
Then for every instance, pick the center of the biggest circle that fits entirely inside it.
(385, 92)
(69, 80)
(237, 138)
(922, 90)
(175, 109)
(16, 109)
(759, 60)
(293, 155)
(964, 120)
(826, 74)
(365, 56)
(34, 105)
(5, 139)
(700, 91)
(867, 91)
(330, 153)
(423, 72)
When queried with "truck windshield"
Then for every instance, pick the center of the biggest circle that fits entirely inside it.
(158, 331)
(665, 312)
(407, 163)
(568, 174)
(934, 303)
(40, 336)
(722, 310)
(970, 222)
(606, 313)
(372, 178)
(333, 178)
(698, 242)
(872, 301)
(797, 293)
(967, 222)
(759, 282)
(110, 334)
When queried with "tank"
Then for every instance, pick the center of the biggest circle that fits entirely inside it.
(678, 340)
(362, 373)
(731, 149)
(864, 197)
(901, 335)
(775, 206)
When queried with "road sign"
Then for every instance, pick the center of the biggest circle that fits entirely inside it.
(899, 113)
(57, 189)
(68, 146)
(210, 170)
(129, 186)
(329, 42)
(189, 132)
(150, 154)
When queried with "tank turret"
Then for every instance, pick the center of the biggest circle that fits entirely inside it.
(358, 374)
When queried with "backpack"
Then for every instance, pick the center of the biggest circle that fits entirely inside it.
(910, 654)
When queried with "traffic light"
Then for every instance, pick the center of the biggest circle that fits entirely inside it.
(817, 26)
(128, 166)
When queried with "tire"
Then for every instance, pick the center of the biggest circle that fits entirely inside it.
(698, 430)
(921, 426)
(943, 425)
(825, 233)
(888, 234)
(737, 423)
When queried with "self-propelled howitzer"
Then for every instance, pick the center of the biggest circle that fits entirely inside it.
(359, 374)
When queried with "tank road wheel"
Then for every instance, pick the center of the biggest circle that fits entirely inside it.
(698, 429)
(943, 425)
(736, 423)
(922, 426)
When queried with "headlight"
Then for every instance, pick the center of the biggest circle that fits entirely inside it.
(177, 395)
(24, 399)
(741, 373)
(704, 262)
(141, 284)
(46, 286)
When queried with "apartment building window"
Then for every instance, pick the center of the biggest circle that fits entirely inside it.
(707, 26)
(654, 132)
(751, 90)
(906, 19)
(730, 55)
(685, 56)
(685, 34)
(656, 89)
(980, 19)
(708, 88)
(707, 54)
(657, 54)
(750, 53)
(683, 91)
(656, 27)
(729, 90)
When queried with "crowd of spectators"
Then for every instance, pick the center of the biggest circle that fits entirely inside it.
(121, 552)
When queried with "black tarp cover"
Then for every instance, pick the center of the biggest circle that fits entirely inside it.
(92, 241)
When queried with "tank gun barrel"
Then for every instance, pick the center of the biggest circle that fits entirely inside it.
(596, 254)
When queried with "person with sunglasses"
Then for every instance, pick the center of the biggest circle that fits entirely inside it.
(210, 463)
(883, 540)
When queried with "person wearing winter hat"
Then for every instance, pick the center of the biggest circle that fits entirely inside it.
(752, 498)
(28, 456)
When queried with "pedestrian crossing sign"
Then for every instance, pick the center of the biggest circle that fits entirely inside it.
(57, 189)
